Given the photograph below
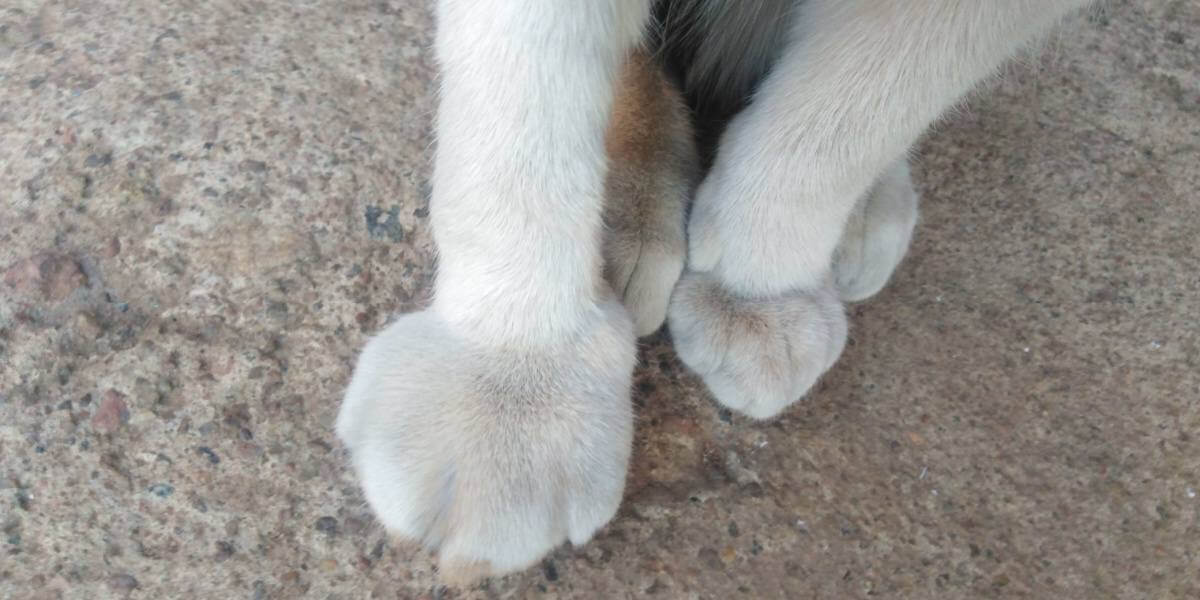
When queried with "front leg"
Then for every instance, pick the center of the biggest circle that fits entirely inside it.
(496, 424)
(856, 86)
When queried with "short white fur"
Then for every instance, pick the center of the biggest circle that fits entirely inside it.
(496, 424)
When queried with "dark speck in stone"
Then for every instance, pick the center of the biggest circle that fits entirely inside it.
(549, 570)
(254, 166)
(388, 228)
(123, 583)
(224, 550)
(711, 559)
(98, 160)
(207, 452)
(162, 490)
(327, 525)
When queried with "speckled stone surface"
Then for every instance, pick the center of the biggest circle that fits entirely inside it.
(206, 207)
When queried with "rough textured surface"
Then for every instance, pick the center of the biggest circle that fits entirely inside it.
(207, 206)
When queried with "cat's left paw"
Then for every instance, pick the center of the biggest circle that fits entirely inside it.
(756, 355)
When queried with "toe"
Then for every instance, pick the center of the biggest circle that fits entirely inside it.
(649, 290)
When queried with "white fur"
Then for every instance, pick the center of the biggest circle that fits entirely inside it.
(861, 81)
(496, 424)
(856, 86)
(876, 235)
(756, 355)
(491, 456)
(646, 273)
(518, 183)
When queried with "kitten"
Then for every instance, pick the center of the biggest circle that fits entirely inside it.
(496, 423)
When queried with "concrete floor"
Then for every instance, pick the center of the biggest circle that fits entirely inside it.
(208, 206)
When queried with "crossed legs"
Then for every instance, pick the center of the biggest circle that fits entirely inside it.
(496, 423)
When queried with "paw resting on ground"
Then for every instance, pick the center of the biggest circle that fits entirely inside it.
(760, 345)
(642, 262)
(756, 355)
(653, 167)
(491, 457)
(876, 236)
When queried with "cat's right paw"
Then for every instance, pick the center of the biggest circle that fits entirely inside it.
(491, 456)
(756, 355)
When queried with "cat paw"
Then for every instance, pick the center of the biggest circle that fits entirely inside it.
(877, 235)
(756, 355)
(653, 167)
(642, 263)
(491, 457)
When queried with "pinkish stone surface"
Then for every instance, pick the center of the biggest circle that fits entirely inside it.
(229, 197)
(45, 276)
(112, 412)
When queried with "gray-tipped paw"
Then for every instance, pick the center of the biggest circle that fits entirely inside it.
(756, 355)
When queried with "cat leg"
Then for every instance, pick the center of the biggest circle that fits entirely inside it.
(758, 314)
(496, 423)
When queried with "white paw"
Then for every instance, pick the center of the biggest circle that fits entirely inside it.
(756, 355)
(491, 457)
(644, 256)
(876, 236)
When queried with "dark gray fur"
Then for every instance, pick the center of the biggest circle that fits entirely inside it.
(718, 51)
